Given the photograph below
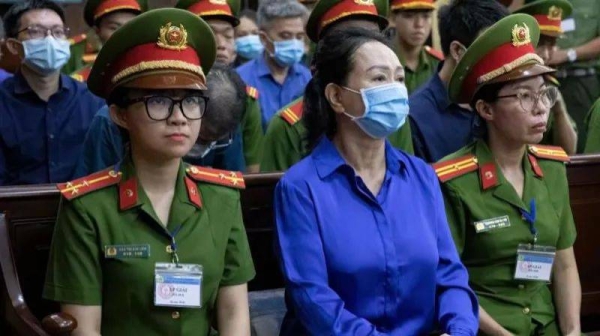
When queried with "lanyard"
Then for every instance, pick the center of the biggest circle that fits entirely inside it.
(530, 218)
(174, 256)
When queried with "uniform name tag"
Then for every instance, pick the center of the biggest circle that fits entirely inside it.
(178, 285)
(568, 25)
(492, 224)
(534, 262)
(126, 251)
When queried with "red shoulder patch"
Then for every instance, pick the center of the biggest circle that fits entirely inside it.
(252, 92)
(448, 170)
(549, 152)
(217, 176)
(293, 112)
(77, 39)
(82, 74)
(435, 53)
(87, 184)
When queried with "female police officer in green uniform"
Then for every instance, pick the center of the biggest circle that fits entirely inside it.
(507, 201)
(152, 246)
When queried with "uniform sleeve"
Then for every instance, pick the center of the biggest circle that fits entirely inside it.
(299, 247)
(455, 214)
(418, 142)
(282, 146)
(457, 306)
(74, 272)
(402, 138)
(253, 132)
(239, 268)
(592, 125)
(568, 233)
(102, 147)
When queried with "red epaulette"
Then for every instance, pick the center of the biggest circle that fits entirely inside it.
(252, 92)
(549, 152)
(435, 53)
(89, 58)
(77, 39)
(450, 169)
(217, 176)
(87, 184)
(293, 112)
(83, 74)
(552, 80)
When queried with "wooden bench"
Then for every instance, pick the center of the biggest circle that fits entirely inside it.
(31, 213)
(27, 232)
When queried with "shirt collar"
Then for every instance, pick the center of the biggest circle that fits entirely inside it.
(439, 92)
(262, 68)
(21, 85)
(328, 159)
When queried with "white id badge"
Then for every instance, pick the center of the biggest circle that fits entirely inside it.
(178, 285)
(534, 262)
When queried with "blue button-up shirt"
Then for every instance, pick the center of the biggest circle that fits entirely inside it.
(4, 75)
(103, 147)
(274, 96)
(40, 142)
(438, 126)
(362, 264)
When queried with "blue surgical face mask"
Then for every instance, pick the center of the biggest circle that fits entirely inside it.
(249, 47)
(46, 55)
(386, 109)
(288, 52)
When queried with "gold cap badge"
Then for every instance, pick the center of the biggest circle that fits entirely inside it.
(172, 37)
(555, 13)
(520, 35)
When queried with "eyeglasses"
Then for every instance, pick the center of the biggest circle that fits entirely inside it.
(37, 32)
(529, 100)
(160, 108)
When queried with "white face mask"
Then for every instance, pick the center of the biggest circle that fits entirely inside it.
(46, 55)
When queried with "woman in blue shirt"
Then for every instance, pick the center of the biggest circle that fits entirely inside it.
(362, 235)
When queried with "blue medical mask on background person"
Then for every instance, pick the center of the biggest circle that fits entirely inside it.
(386, 109)
(288, 52)
(46, 55)
(249, 47)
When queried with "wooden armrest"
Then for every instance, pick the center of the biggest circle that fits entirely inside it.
(59, 324)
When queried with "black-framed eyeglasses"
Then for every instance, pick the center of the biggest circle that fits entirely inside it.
(160, 108)
(529, 99)
(37, 31)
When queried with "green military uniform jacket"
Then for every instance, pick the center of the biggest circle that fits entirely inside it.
(428, 64)
(285, 140)
(592, 124)
(252, 132)
(586, 15)
(475, 190)
(109, 209)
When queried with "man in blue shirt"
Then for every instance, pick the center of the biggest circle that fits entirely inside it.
(3, 73)
(438, 126)
(43, 115)
(278, 74)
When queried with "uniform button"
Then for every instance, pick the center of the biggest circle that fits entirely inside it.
(51, 136)
(521, 286)
(526, 310)
(175, 315)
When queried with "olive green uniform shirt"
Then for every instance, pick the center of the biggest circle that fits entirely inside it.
(252, 132)
(212, 235)
(490, 256)
(285, 143)
(427, 67)
(586, 15)
(592, 123)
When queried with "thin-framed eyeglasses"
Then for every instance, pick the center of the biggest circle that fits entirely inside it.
(160, 108)
(529, 99)
(37, 31)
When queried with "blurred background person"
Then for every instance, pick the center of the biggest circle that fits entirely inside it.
(45, 115)
(3, 73)
(278, 74)
(247, 41)
(412, 28)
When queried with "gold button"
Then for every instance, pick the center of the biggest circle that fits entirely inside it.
(526, 310)
(175, 315)
(521, 286)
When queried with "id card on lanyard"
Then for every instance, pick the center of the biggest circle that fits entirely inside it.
(534, 262)
(175, 284)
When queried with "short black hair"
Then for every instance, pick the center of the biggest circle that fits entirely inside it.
(12, 18)
(333, 62)
(226, 105)
(463, 20)
(248, 13)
